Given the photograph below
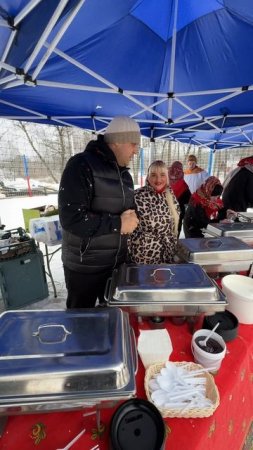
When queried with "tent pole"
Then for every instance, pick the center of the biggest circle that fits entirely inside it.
(8, 45)
(26, 10)
(142, 164)
(152, 148)
(216, 102)
(198, 115)
(14, 83)
(45, 34)
(106, 82)
(159, 102)
(211, 161)
(57, 39)
(7, 67)
(7, 79)
(23, 109)
(211, 92)
(173, 56)
(78, 87)
(26, 172)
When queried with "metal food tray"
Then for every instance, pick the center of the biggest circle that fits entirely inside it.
(235, 229)
(167, 289)
(245, 216)
(217, 254)
(165, 282)
(60, 360)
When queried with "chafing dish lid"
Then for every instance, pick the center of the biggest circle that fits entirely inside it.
(245, 216)
(165, 278)
(214, 249)
(239, 229)
(49, 343)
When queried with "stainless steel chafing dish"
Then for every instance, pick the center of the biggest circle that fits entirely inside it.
(245, 216)
(241, 230)
(60, 360)
(164, 290)
(216, 254)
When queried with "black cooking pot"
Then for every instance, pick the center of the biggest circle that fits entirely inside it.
(137, 424)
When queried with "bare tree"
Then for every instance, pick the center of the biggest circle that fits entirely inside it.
(36, 151)
(53, 146)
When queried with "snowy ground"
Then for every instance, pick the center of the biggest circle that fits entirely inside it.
(11, 216)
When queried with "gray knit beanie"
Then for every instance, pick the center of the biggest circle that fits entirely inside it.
(122, 130)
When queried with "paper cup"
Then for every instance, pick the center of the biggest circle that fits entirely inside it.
(208, 360)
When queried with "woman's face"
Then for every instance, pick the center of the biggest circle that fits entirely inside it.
(176, 170)
(158, 178)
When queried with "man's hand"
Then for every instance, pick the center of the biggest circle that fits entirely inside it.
(129, 221)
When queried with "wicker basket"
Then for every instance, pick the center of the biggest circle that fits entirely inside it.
(212, 392)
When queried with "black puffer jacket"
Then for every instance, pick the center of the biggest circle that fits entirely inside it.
(238, 194)
(94, 191)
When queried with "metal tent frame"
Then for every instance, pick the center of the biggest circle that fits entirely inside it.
(216, 118)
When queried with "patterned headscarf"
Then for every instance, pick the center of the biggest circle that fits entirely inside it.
(247, 163)
(203, 197)
(175, 172)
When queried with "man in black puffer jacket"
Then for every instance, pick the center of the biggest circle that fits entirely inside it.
(238, 186)
(97, 211)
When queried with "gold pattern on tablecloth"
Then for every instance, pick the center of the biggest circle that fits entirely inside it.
(97, 433)
(38, 432)
(167, 430)
(244, 425)
(230, 427)
(212, 429)
(243, 374)
(230, 397)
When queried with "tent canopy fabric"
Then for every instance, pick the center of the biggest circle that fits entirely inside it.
(182, 68)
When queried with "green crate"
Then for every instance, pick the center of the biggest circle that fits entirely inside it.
(23, 280)
(32, 213)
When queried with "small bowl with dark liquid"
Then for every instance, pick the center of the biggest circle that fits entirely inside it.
(212, 353)
(211, 346)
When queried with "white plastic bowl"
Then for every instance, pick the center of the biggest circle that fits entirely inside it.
(239, 292)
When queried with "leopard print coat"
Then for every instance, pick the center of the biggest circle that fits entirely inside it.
(153, 241)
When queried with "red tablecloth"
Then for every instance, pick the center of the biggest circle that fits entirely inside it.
(226, 429)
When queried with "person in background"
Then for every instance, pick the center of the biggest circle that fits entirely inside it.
(238, 186)
(205, 206)
(194, 176)
(179, 188)
(154, 240)
(97, 211)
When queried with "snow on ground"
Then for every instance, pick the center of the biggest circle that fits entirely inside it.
(12, 217)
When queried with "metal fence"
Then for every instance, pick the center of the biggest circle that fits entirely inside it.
(33, 156)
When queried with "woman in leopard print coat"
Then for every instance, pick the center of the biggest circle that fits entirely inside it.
(154, 240)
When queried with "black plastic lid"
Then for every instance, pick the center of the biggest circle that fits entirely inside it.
(228, 327)
(137, 424)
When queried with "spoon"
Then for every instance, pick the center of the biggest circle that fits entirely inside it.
(204, 341)
(73, 441)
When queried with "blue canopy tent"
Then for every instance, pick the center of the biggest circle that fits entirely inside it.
(181, 68)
